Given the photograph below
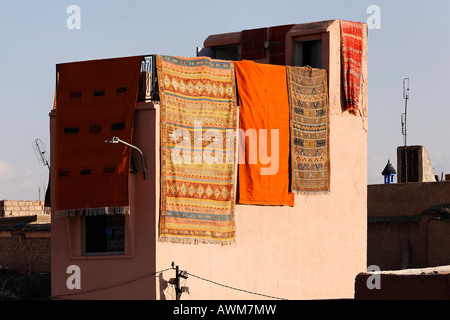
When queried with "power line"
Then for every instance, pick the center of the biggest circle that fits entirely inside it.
(237, 289)
(112, 286)
(161, 271)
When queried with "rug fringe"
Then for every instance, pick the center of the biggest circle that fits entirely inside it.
(312, 193)
(196, 241)
(93, 211)
(268, 204)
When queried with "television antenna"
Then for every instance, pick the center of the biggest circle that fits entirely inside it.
(404, 132)
(41, 152)
(406, 97)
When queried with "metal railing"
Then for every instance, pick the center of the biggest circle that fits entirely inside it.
(148, 81)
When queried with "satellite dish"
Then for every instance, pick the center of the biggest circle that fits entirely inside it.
(41, 152)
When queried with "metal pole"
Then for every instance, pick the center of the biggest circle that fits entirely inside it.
(406, 96)
(177, 284)
(406, 143)
(117, 140)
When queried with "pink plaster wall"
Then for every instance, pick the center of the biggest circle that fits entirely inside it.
(112, 277)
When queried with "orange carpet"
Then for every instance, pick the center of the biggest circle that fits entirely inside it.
(264, 139)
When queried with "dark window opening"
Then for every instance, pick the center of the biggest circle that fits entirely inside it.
(75, 94)
(227, 53)
(118, 126)
(85, 172)
(221, 53)
(105, 234)
(71, 130)
(122, 90)
(63, 173)
(230, 52)
(308, 53)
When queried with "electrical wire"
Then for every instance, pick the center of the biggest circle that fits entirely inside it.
(237, 289)
(161, 271)
(111, 286)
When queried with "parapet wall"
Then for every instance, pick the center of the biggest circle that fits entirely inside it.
(25, 250)
(10, 208)
(411, 284)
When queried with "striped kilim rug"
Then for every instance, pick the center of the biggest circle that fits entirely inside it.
(351, 56)
(309, 122)
(198, 123)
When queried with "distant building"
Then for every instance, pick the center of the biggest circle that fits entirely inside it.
(389, 173)
(25, 235)
(408, 222)
(416, 159)
(412, 284)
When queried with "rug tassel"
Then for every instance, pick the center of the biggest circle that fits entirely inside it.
(195, 241)
(93, 211)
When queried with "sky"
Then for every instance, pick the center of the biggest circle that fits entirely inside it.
(411, 42)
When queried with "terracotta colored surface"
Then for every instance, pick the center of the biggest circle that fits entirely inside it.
(277, 44)
(88, 107)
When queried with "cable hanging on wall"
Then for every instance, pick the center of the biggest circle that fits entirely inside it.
(111, 286)
(180, 274)
(185, 274)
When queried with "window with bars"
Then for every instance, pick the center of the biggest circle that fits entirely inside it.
(104, 234)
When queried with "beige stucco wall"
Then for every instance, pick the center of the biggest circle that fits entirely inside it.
(427, 168)
(311, 251)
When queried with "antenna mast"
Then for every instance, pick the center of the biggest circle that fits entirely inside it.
(41, 152)
(404, 132)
